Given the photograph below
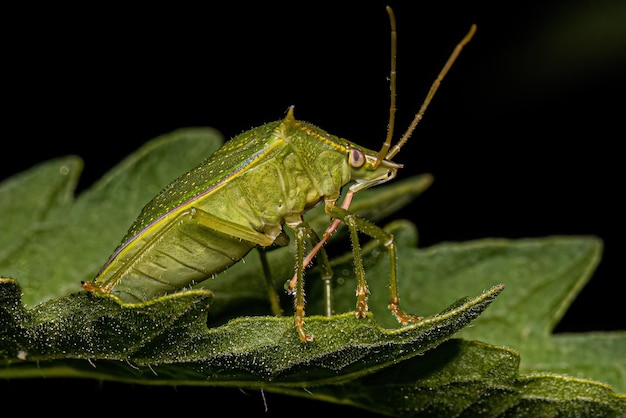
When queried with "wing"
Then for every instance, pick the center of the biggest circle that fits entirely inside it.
(238, 154)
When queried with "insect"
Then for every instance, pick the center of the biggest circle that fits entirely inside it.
(242, 197)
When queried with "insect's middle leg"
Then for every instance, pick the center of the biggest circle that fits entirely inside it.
(356, 224)
(323, 263)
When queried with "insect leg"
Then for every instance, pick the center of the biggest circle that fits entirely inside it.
(327, 273)
(319, 246)
(356, 224)
(250, 235)
(301, 232)
(345, 204)
(323, 262)
(230, 228)
(361, 286)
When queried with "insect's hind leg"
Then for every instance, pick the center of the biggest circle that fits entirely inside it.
(356, 224)
(299, 303)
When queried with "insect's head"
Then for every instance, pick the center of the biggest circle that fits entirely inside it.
(367, 170)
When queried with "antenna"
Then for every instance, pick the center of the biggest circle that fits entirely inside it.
(386, 152)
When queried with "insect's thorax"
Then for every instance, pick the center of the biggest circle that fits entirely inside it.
(297, 172)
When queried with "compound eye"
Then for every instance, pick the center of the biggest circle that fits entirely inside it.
(356, 158)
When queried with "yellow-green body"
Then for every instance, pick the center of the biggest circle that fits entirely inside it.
(238, 198)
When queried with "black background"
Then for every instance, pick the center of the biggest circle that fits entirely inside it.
(523, 137)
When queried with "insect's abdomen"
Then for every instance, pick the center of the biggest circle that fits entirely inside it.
(184, 252)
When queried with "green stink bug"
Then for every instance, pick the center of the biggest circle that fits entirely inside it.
(244, 194)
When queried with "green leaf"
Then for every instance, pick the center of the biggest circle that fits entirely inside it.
(49, 327)
(542, 277)
(166, 339)
(469, 378)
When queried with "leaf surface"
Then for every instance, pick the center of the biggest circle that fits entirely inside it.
(507, 362)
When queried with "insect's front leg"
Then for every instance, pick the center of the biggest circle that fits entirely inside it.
(319, 246)
(326, 274)
(356, 224)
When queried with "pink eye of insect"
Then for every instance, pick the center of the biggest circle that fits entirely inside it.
(356, 158)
